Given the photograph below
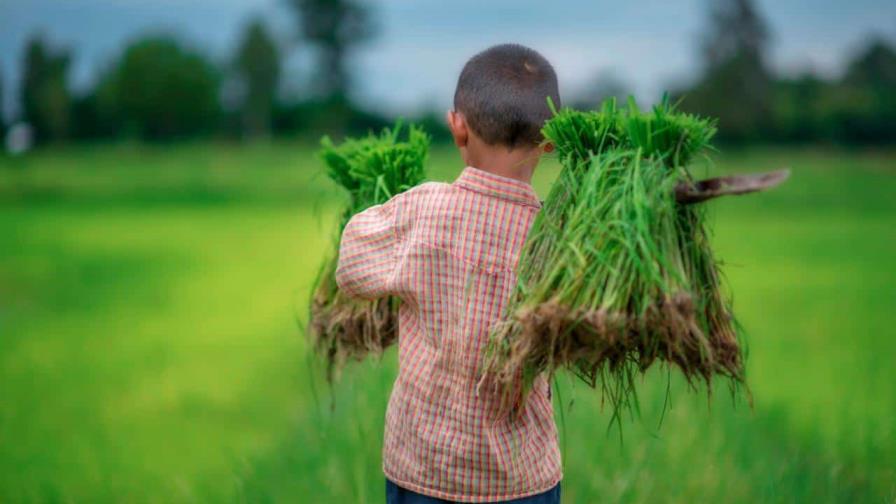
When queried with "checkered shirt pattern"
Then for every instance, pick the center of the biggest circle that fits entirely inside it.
(449, 252)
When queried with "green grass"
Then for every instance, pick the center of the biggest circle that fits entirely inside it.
(149, 350)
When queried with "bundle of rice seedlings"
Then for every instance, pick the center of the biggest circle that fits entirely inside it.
(616, 274)
(372, 170)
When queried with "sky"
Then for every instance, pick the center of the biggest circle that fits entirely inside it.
(421, 45)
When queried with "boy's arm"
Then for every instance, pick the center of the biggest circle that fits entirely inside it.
(367, 252)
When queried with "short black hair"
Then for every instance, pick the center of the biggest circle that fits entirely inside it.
(503, 93)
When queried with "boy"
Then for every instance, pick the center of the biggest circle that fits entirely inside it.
(449, 252)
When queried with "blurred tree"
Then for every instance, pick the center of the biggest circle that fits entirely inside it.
(2, 110)
(334, 27)
(736, 31)
(159, 90)
(432, 120)
(875, 67)
(736, 86)
(602, 86)
(314, 117)
(798, 109)
(95, 115)
(258, 65)
(46, 101)
(864, 103)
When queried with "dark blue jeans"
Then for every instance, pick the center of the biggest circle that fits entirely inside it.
(397, 495)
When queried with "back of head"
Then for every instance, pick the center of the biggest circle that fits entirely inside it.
(502, 92)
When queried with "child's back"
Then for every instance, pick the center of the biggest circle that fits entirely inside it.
(449, 252)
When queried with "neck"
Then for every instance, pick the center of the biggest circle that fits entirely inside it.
(517, 164)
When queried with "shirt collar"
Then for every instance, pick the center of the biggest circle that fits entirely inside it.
(497, 186)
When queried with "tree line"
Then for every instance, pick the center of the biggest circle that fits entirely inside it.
(753, 104)
(160, 88)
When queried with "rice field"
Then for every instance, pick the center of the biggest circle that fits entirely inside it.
(149, 349)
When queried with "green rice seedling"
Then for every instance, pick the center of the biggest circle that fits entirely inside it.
(674, 137)
(372, 170)
(616, 274)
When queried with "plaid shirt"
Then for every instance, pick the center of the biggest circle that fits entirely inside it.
(449, 252)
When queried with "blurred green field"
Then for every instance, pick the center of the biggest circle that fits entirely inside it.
(149, 349)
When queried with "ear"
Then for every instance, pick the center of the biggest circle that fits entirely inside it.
(457, 124)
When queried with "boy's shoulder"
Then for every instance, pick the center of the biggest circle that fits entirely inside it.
(429, 200)
(426, 190)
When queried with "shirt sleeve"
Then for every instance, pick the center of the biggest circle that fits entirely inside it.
(368, 252)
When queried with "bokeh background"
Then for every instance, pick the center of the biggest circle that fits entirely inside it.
(162, 216)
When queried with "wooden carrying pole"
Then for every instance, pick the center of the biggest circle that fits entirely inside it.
(702, 190)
